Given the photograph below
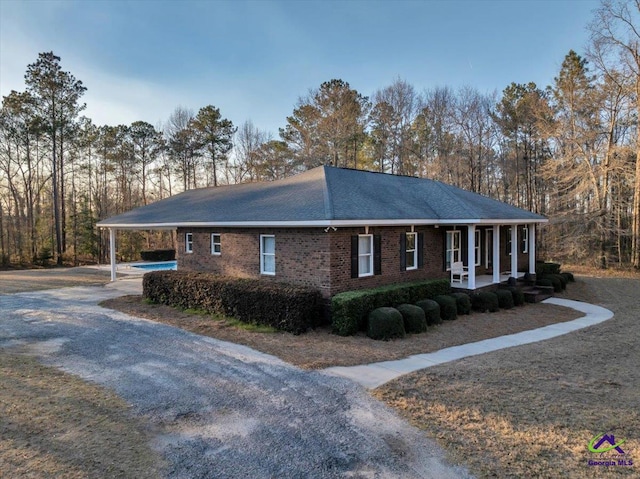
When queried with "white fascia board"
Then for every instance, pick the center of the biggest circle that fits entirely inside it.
(316, 224)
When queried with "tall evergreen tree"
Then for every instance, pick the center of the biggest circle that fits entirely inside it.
(57, 98)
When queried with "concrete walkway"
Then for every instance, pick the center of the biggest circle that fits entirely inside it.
(376, 374)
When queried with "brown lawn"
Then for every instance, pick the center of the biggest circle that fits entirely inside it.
(53, 424)
(320, 349)
(531, 411)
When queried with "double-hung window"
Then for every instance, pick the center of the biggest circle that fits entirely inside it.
(411, 251)
(365, 255)
(215, 244)
(525, 239)
(477, 248)
(452, 248)
(188, 242)
(268, 254)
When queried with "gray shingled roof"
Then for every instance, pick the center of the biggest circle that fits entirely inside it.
(324, 196)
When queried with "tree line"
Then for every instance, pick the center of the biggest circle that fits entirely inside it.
(569, 150)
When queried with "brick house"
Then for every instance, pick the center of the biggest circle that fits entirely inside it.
(340, 229)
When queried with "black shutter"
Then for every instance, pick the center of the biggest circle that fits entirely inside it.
(420, 250)
(403, 251)
(377, 254)
(464, 245)
(354, 256)
(444, 249)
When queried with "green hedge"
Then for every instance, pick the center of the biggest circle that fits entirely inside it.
(556, 281)
(414, 318)
(448, 307)
(431, 311)
(282, 306)
(385, 323)
(158, 255)
(505, 298)
(543, 268)
(349, 310)
(485, 301)
(463, 302)
(518, 295)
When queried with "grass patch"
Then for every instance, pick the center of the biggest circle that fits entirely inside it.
(253, 328)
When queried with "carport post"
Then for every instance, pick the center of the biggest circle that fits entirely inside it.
(112, 252)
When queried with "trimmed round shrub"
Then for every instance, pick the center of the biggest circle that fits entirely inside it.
(563, 280)
(569, 277)
(431, 311)
(463, 302)
(518, 296)
(505, 298)
(485, 301)
(385, 323)
(544, 282)
(448, 307)
(414, 318)
(555, 282)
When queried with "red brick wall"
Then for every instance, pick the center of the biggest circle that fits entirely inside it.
(301, 254)
(308, 256)
(341, 279)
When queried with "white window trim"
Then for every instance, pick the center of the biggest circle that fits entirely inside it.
(477, 247)
(213, 244)
(188, 243)
(370, 273)
(508, 242)
(458, 249)
(263, 254)
(525, 239)
(413, 252)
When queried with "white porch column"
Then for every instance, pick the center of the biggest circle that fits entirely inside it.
(532, 248)
(514, 251)
(471, 255)
(496, 254)
(112, 252)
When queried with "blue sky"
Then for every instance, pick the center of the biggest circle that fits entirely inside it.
(253, 59)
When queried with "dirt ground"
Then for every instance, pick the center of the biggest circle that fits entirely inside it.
(18, 281)
(55, 425)
(531, 411)
(320, 349)
(521, 412)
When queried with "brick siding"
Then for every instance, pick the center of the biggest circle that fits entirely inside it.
(307, 256)
(313, 257)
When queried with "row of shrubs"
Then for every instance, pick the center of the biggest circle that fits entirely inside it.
(395, 322)
(349, 310)
(289, 308)
(548, 274)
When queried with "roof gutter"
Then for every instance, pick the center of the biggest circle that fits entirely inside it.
(318, 223)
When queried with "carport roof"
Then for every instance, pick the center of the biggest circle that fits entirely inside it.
(324, 196)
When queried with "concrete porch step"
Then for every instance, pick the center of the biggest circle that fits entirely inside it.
(535, 294)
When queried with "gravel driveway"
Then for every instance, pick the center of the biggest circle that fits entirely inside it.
(220, 410)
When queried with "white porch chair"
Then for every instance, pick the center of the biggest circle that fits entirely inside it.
(458, 272)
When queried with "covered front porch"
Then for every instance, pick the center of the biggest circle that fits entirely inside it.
(497, 252)
(485, 280)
